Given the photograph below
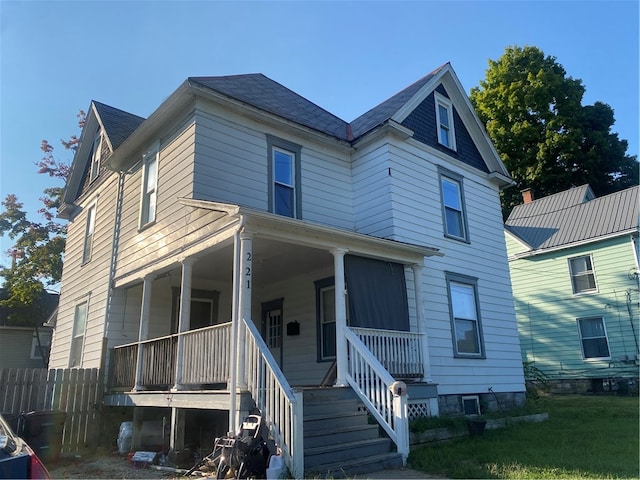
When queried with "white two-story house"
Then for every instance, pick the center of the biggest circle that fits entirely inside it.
(243, 248)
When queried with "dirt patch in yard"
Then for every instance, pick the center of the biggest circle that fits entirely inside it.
(105, 466)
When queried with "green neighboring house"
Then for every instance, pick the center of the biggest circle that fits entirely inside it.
(573, 260)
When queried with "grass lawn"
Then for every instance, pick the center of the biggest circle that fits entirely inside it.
(585, 437)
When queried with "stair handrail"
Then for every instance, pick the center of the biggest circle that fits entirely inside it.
(279, 404)
(373, 385)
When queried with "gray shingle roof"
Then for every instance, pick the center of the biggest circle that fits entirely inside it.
(261, 92)
(574, 216)
(381, 113)
(118, 124)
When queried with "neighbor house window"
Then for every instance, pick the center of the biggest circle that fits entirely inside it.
(149, 187)
(77, 341)
(444, 122)
(453, 208)
(465, 316)
(96, 153)
(88, 234)
(326, 313)
(284, 177)
(593, 337)
(583, 278)
(40, 351)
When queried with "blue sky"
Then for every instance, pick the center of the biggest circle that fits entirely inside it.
(57, 56)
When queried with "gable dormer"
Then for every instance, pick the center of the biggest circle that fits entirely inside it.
(436, 112)
(104, 130)
(437, 123)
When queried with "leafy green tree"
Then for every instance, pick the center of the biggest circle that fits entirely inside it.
(38, 247)
(547, 139)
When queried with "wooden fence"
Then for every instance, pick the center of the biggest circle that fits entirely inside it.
(77, 392)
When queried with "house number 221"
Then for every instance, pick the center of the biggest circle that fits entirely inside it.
(247, 271)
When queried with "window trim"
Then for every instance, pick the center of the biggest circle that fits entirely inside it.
(320, 286)
(146, 193)
(459, 181)
(75, 335)
(476, 400)
(472, 282)
(606, 337)
(442, 101)
(275, 144)
(96, 156)
(573, 276)
(89, 233)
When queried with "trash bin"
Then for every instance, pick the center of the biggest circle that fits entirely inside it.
(42, 430)
(124, 437)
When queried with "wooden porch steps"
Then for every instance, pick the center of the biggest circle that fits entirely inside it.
(339, 441)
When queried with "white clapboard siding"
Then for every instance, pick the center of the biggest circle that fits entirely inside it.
(372, 193)
(88, 282)
(417, 218)
(232, 167)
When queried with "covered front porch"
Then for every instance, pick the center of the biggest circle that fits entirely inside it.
(262, 306)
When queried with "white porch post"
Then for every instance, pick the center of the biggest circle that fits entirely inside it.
(233, 350)
(341, 316)
(246, 280)
(184, 318)
(422, 323)
(143, 332)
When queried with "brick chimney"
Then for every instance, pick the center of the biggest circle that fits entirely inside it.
(527, 195)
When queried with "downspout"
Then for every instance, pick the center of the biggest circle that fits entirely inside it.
(235, 315)
(112, 267)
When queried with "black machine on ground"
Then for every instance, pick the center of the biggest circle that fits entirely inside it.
(244, 455)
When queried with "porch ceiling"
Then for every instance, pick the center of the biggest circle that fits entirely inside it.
(273, 261)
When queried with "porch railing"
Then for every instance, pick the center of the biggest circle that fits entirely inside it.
(372, 382)
(280, 406)
(206, 359)
(399, 352)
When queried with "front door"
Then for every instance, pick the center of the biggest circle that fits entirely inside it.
(272, 327)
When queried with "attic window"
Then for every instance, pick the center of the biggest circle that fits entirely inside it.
(444, 121)
(96, 153)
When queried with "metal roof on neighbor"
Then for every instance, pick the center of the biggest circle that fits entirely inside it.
(118, 124)
(261, 92)
(574, 216)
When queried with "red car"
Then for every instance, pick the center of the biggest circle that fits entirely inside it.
(17, 459)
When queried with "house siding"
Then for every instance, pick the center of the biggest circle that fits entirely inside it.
(418, 219)
(547, 316)
(231, 166)
(372, 190)
(173, 225)
(88, 282)
(15, 347)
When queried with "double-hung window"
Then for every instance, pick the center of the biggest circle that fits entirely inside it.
(95, 156)
(149, 187)
(453, 207)
(88, 233)
(465, 316)
(77, 341)
(593, 337)
(444, 122)
(583, 277)
(284, 177)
